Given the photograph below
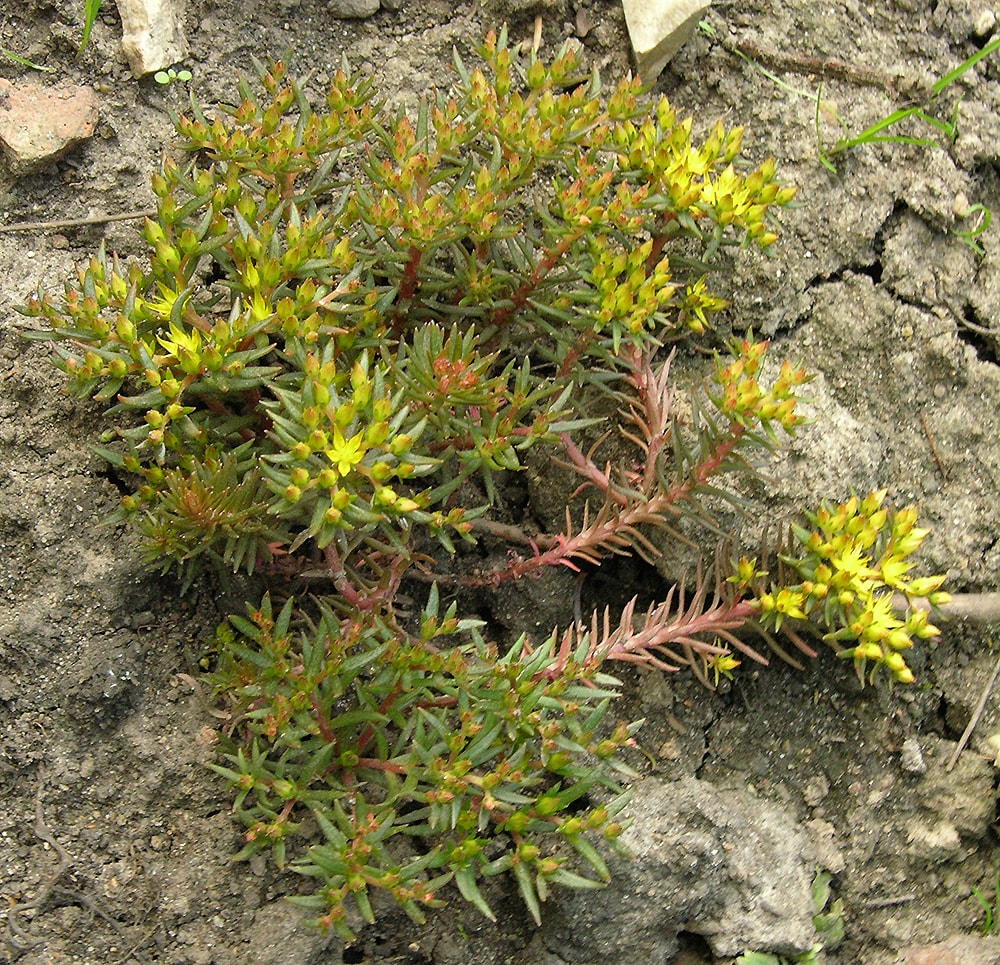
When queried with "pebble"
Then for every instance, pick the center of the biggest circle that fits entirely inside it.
(584, 23)
(815, 789)
(353, 9)
(658, 29)
(911, 757)
(984, 23)
(957, 950)
(152, 35)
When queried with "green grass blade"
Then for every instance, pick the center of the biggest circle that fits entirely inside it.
(90, 9)
(953, 75)
(26, 63)
(969, 237)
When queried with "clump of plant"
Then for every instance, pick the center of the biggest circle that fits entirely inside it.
(353, 325)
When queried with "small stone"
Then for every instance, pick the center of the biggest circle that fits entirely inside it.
(984, 23)
(353, 9)
(957, 950)
(658, 29)
(59, 242)
(40, 124)
(936, 843)
(152, 36)
(911, 757)
(815, 789)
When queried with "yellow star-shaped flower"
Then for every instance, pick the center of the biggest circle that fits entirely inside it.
(346, 453)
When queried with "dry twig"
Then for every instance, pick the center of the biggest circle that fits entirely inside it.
(19, 937)
(977, 713)
(75, 222)
(898, 85)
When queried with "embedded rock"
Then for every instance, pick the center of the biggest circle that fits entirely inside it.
(152, 36)
(40, 124)
(354, 9)
(658, 29)
(724, 864)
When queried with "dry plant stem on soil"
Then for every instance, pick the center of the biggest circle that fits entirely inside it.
(898, 85)
(976, 715)
(980, 609)
(19, 938)
(76, 222)
(405, 307)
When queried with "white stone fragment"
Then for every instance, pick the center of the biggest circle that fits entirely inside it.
(152, 36)
(658, 29)
(911, 757)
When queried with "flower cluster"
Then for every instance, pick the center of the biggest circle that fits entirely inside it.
(693, 177)
(854, 574)
(743, 400)
(379, 340)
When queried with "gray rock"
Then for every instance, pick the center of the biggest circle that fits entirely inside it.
(911, 757)
(278, 937)
(724, 864)
(658, 29)
(963, 796)
(353, 9)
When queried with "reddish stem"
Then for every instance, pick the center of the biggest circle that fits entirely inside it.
(408, 285)
(550, 258)
(376, 765)
(610, 529)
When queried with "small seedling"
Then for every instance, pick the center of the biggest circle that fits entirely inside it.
(170, 75)
(828, 917)
(982, 223)
(879, 131)
(991, 910)
(883, 130)
(810, 957)
(828, 920)
(24, 62)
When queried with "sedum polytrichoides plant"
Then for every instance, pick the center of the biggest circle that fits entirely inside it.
(352, 324)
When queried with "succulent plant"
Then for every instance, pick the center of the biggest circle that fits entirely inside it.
(353, 325)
